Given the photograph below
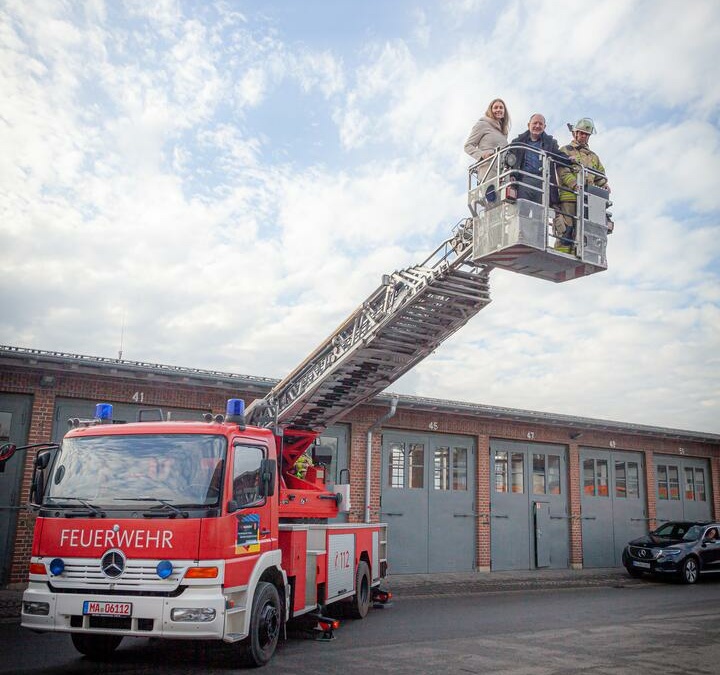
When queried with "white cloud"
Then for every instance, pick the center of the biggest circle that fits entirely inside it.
(140, 179)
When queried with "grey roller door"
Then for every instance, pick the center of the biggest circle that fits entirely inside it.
(528, 505)
(404, 501)
(14, 425)
(427, 500)
(614, 506)
(683, 488)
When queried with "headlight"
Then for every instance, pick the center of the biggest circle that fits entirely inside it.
(36, 608)
(669, 552)
(193, 614)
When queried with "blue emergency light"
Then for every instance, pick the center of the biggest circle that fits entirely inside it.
(164, 569)
(235, 411)
(103, 412)
(57, 565)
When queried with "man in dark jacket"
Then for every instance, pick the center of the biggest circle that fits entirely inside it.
(531, 162)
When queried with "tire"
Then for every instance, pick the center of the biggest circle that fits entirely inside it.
(690, 572)
(360, 605)
(265, 622)
(635, 574)
(96, 646)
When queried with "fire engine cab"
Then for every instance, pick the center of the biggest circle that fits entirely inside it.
(206, 529)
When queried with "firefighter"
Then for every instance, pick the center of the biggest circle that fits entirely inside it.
(579, 153)
(302, 464)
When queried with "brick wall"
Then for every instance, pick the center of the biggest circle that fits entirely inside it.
(178, 392)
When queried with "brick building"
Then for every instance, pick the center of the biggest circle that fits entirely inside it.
(461, 486)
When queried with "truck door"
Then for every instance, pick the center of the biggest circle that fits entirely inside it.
(251, 515)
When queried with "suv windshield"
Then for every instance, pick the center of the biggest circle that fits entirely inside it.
(178, 468)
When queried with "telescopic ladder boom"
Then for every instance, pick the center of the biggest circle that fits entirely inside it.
(399, 324)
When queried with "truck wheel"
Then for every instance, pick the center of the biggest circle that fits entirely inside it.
(96, 646)
(689, 573)
(265, 623)
(360, 604)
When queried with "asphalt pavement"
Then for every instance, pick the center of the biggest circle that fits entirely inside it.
(448, 583)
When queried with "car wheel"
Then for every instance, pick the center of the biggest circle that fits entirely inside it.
(690, 573)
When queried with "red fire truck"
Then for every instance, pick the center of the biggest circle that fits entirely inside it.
(207, 529)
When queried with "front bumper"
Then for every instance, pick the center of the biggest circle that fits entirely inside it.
(150, 616)
(662, 565)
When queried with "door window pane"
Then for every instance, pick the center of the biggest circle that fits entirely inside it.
(601, 467)
(442, 469)
(517, 468)
(673, 482)
(417, 466)
(460, 469)
(633, 480)
(589, 477)
(396, 470)
(553, 474)
(501, 471)
(538, 481)
(662, 482)
(246, 474)
(689, 484)
(620, 488)
(700, 485)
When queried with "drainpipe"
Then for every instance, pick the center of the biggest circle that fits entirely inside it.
(368, 456)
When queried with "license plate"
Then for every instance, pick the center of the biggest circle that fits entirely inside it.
(644, 565)
(95, 608)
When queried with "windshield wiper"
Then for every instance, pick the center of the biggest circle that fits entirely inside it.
(175, 511)
(92, 509)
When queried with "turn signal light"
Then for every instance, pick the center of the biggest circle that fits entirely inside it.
(202, 573)
(37, 568)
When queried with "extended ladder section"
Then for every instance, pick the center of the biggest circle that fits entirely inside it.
(403, 321)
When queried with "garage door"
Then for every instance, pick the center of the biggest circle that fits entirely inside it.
(427, 498)
(528, 506)
(14, 424)
(614, 507)
(683, 488)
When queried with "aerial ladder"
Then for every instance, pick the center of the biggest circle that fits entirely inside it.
(415, 309)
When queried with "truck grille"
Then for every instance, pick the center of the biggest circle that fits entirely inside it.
(138, 575)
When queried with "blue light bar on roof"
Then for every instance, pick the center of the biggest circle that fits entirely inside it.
(103, 412)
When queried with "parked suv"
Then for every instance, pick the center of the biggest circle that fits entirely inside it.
(685, 549)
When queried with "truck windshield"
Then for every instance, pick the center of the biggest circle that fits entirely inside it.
(177, 468)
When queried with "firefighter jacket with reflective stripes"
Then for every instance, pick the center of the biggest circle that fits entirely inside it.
(567, 176)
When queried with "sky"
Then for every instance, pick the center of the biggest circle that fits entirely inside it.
(219, 184)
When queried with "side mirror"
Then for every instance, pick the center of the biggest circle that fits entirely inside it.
(7, 450)
(42, 460)
(232, 506)
(37, 488)
(268, 471)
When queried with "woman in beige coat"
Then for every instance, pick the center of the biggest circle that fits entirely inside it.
(490, 131)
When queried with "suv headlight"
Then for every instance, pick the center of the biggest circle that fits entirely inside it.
(669, 552)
